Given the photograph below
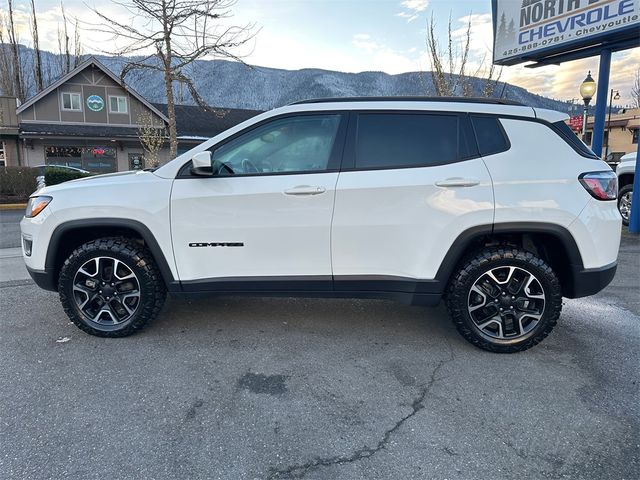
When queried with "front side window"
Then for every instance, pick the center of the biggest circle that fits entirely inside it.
(117, 104)
(399, 140)
(295, 144)
(71, 101)
(2, 154)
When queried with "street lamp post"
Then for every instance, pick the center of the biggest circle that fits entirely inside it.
(587, 89)
(611, 99)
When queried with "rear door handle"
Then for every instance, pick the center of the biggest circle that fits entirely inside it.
(458, 182)
(305, 190)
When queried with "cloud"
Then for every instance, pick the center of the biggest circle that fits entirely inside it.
(563, 81)
(412, 8)
(382, 57)
(415, 5)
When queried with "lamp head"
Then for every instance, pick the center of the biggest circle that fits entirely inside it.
(588, 88)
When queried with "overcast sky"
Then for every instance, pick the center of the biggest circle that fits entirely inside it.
(355, 36)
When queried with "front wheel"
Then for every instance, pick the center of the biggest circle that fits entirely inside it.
(624, 203)
(504, 300)
(111, 287)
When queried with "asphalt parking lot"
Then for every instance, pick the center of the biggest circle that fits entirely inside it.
(263, 388)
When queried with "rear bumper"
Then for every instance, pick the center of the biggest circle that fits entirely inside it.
(44, 279)
(590, 281)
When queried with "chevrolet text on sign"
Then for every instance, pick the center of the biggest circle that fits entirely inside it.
(523, 28)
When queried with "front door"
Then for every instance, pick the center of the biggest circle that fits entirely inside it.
(263, 220)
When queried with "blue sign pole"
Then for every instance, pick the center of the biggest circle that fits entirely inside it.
(601, 102)
(634, 220)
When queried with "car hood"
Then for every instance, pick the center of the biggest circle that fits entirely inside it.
(98, 180)
(626, 165)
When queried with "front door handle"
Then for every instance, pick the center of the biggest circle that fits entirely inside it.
(458, 182)
(305, 190)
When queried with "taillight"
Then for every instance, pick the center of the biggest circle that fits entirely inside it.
(601, 185)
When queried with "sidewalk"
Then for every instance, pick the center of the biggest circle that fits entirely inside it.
(13, 206)
(12, 266)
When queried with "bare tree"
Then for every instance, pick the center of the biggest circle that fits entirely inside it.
(450, 65)
(37, 72)
(69, 50)
(174, 34)
(635, 90)
(63, 43)
(6, 62)
(77, 44)
(151, 138)
(18, 90)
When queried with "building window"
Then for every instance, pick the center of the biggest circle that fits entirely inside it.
(588, 137)
(117, 104)
(97, 159)
(634, 138)
(71, 101)
(3, 158)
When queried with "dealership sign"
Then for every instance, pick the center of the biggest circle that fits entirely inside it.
(526, 30)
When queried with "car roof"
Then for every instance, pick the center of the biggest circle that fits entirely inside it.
(488, 101)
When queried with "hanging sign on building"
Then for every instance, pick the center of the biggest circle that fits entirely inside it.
(575, 122)
(529, 30)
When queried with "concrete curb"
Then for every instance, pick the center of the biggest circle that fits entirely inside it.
(13, 206)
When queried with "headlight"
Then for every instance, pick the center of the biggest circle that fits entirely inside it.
(36, 204)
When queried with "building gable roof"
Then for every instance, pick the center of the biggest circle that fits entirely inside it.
(194, 121)
(91, 61)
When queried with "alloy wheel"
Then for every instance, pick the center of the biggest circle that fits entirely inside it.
(506, 302)
(106, 291)
(625, 206)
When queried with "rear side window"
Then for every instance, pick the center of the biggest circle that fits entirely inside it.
(563, 130)
(490, 135)
(399, 140)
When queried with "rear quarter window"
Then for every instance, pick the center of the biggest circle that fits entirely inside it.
(563, 131)
(490, 135)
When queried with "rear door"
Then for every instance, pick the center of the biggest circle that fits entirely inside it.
(411, 183)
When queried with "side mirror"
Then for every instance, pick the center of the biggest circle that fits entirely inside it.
(201, 164)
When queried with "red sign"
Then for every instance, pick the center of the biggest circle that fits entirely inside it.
(576, 123)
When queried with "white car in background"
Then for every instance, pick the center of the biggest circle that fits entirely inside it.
(626, 170)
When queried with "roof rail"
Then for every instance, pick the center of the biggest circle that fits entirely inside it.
(491, 101)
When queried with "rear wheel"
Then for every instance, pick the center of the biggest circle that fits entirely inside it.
(110, 287)
(624, 203)
(504, 300)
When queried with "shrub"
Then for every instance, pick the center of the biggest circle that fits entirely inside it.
(54, 176)
(17, 183)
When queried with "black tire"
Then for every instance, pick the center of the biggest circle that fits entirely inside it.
(474, 272)
(622, 196)
(147, 285)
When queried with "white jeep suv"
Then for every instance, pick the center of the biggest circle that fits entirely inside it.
(494, 206)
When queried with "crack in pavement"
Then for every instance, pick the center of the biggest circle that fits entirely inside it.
(298, 471)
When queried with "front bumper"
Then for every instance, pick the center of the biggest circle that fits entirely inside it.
(589, 281)
(45, 279)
